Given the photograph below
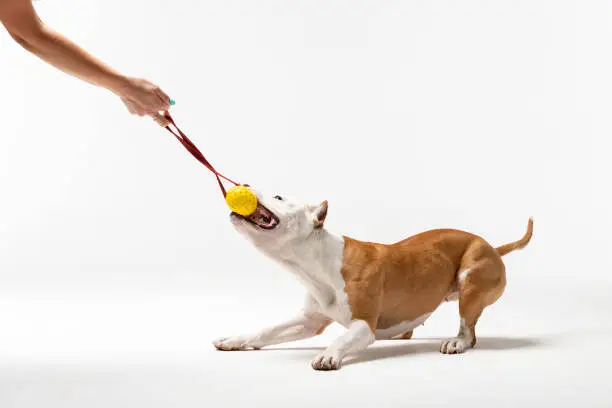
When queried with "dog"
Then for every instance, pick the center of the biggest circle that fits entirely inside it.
(376, 291)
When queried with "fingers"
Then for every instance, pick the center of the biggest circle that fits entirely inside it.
(165, 99)
(160, 119)
(129, 107)
(156, 101)
(151, 106)
(144, 98)
(134, 108)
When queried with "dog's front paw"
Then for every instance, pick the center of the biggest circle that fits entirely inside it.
(326, 361)
(455, 345)
(238, 343)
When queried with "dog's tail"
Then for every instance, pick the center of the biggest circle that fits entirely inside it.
(520, 244)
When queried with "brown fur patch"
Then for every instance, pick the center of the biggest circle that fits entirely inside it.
(390, 284)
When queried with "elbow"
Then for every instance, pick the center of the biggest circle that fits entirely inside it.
(30, 39)
(20, 40)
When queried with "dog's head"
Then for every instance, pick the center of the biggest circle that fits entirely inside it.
(279, 220)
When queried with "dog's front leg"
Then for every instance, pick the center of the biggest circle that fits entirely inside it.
(303, 326)
(358, 336)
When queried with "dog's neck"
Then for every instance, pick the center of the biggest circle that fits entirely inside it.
(316, 260)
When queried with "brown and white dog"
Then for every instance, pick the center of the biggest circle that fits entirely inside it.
(375, 291)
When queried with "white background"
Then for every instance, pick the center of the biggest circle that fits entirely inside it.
(118, 265)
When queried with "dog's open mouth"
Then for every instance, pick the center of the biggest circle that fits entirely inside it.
(262, 217)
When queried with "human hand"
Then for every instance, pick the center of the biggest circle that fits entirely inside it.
(160, 119)
(144, 98)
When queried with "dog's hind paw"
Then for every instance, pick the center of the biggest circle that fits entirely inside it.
(455, 345)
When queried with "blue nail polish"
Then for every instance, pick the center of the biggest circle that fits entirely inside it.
(172, 102)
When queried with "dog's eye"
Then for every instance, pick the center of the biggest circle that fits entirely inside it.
(279, 198)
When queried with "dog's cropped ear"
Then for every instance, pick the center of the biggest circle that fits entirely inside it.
(319, 213)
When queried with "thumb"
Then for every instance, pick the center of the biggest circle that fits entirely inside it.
(160, 119)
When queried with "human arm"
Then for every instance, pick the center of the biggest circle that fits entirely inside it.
(24, 25)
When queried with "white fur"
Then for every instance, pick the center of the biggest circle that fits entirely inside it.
(464, 274)
(461, 343)
(453, 295)
(357, 337)
(302, 326)
(313, 255)
(401, 328)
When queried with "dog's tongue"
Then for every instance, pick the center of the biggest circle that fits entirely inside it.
(260, 212)
(262, 217)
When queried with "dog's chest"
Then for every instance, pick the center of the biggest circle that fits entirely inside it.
(338, 309)
(317, 265)
(326, 298)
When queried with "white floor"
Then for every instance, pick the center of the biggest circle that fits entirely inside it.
(407, 116)
(542, 344)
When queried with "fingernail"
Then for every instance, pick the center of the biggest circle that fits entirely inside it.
(172, 102)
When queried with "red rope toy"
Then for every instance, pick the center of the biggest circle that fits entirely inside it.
(191, 148)
(239, 198)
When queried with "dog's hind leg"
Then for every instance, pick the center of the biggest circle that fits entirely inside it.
(480, 283)
(403, 336)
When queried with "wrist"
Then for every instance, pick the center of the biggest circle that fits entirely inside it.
(118, 84)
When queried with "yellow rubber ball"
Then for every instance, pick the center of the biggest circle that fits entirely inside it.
(241, 200)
